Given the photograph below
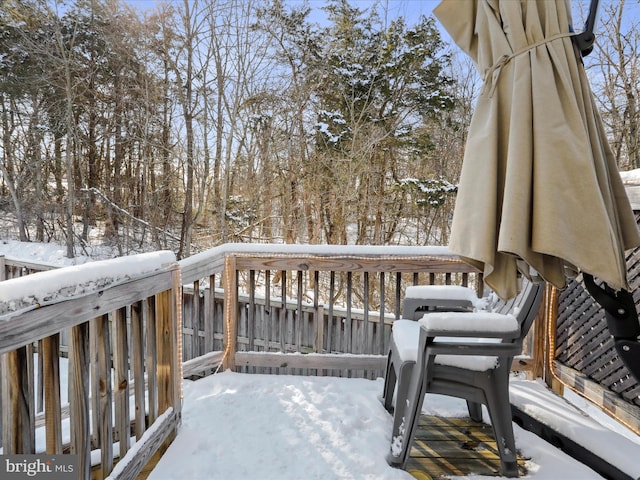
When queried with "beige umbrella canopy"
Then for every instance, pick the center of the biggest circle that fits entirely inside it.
(539, 186)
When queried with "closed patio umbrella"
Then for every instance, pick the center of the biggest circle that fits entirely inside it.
(539, 186)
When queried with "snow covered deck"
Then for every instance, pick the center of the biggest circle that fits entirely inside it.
(283, 427)
(314, 312)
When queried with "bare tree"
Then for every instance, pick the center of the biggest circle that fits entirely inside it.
(21, 84)
(615, 74)
(233, 120)
(242, 73)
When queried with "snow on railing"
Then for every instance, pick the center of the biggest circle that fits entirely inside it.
(123, 318)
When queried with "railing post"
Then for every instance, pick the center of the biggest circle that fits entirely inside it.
(137, 360)
(104, 400)
(209, 315)
(319, 314)
(549, 316)
(168, 323)
(176, 315)
(18, 435)
(5, 376)
(230, 280)
(381, 336)
(51, 385)
(121, 379)
(79, 398)
(151, 356)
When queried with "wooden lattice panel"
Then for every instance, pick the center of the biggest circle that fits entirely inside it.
(583, 341)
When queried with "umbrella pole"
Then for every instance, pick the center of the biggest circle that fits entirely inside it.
(622, 320)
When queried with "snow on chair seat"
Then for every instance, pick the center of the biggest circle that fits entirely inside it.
(406, 333)
(460, 329)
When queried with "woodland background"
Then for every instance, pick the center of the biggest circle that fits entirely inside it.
(190, 124)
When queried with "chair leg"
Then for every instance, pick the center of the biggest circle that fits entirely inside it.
(500, 413)
(404, 380)
(389, 385)
(475, 410)
(407, 415)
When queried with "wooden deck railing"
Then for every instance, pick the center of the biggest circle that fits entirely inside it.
(12, 268)
(255, 308)
(287, 308)
(124, 346)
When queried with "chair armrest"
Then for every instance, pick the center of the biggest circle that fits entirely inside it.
(470, 325)
(474, 348)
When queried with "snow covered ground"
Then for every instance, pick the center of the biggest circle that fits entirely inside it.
(268, 427)
(47, 253)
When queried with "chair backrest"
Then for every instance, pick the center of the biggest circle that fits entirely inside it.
(523, 306)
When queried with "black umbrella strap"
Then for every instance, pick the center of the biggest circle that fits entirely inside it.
(493, 73)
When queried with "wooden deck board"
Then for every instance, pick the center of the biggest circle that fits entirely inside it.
(454, 446)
